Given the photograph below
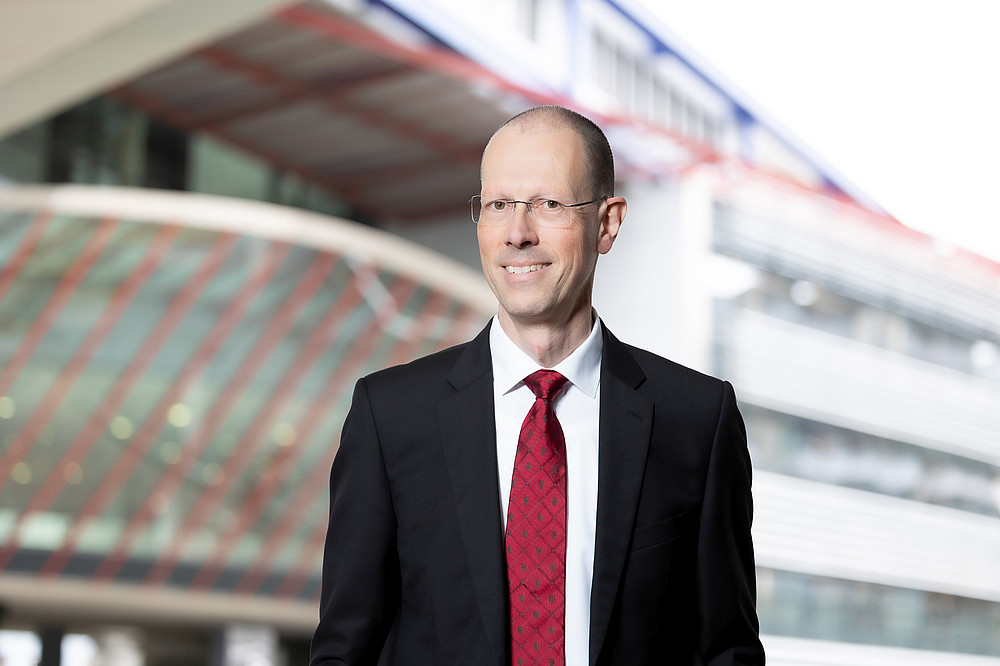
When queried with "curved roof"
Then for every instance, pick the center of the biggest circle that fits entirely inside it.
(174, 373)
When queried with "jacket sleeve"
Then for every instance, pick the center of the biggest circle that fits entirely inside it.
(361, 583)
(725, 576)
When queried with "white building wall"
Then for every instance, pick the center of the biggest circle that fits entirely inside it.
(815, 375)
(652, 288)
(788, 651)
(827, 530)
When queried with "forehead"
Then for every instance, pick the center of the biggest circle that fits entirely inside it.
(534, 159)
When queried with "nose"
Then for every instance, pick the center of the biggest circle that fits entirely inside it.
(520, 229)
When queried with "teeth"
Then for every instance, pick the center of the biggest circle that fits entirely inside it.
(524, 269)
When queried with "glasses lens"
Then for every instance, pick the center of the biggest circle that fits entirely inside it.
(477, 207)
(545, 212)
(550, 213)
(493, 214)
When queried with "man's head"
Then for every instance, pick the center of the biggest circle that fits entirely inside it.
(542, 270)
(597, 151)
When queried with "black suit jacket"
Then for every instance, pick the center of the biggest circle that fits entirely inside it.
(414, 568)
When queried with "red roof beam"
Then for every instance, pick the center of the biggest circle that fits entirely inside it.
(25, 248)
(95, 426)
(218, 412)
(147, 434)
(427, 58)
(323, 92)
(258, 429)
(332, 395)
(298, 574)
(71, 372)
(438, 143)
(315, 482)
(60, 296)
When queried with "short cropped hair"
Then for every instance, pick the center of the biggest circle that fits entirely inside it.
(600, 161)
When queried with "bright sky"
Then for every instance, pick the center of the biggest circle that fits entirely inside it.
(899, 96)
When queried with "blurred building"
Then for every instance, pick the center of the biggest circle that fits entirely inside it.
(215, 216)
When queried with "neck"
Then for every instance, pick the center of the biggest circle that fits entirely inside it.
(547, 343)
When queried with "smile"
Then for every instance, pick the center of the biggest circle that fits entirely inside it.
(525, 269)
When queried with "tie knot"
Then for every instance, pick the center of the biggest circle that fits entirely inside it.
(545, 384)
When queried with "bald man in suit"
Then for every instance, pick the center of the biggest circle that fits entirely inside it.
(655, 534)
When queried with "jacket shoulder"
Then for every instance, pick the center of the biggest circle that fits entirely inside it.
(419, 374)
(655, 366)
(657, 376)
(452, 368)
(675, 390)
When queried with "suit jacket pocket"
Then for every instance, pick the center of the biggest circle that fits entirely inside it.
(661, 531)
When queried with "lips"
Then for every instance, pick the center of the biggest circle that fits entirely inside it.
(524, 269)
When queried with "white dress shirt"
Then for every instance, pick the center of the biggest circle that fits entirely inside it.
(578, 409)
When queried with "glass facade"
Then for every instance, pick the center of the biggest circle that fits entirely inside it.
(171, 396)
(794, 604)
(807, 303)
(822, 452)
(788, 284)
(105, 142)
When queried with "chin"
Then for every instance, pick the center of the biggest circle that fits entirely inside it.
(518, 308)
(528, 315)
(522, 304)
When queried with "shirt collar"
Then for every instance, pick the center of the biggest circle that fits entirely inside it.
(511, 365)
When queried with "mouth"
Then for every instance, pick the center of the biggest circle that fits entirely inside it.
(524, 269)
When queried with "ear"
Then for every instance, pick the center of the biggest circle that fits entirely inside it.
(611, 222)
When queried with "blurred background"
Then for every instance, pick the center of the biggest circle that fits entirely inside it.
(215, 216)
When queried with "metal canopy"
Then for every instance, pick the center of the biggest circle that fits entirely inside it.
(395, 130)
(378, 124)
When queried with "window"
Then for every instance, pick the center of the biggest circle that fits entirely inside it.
(103, 141)
(632, 80)
(528, 18)
(821, 452)
(817, 607)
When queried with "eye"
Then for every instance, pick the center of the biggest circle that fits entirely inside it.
(497, 206)
(549, 204)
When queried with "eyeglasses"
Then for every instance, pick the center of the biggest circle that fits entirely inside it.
(546, 212)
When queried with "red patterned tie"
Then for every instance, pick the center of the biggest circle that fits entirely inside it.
(536, 532)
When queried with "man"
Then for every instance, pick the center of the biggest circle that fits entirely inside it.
(596, 512)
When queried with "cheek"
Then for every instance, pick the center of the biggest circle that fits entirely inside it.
(489, 236)
(485, 243)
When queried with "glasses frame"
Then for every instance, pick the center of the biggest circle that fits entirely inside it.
(528, 205)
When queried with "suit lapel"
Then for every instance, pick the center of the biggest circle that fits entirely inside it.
(468, 435)
(625, 426)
